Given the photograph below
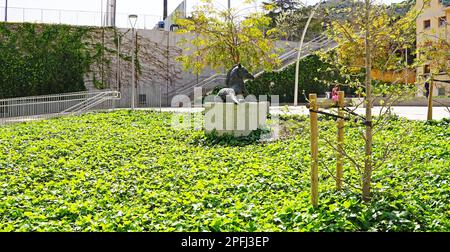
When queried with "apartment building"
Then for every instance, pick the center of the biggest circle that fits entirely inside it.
(433, 24)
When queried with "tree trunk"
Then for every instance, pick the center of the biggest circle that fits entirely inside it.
(366, 177)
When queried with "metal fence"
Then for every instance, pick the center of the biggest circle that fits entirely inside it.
(48, 106)
(76, 17)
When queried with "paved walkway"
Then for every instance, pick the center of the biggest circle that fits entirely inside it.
(412, 113)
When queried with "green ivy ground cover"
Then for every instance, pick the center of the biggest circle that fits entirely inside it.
(123, 171)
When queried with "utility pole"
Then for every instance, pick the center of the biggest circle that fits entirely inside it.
(229, 4)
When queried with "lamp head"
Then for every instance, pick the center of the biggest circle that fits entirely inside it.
(133, 20)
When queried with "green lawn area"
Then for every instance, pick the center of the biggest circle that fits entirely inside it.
(130, 171)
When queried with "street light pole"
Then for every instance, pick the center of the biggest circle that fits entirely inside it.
(297, 65)
(6, 10)
(133, 71)
(119, 40)
(102, 18)
(133, 20)
(164, 10)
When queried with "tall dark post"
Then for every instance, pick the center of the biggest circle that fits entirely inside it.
(6, 10)
(165, 10)
(114, 10)
(168, 69)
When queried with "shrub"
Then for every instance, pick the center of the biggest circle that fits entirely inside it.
(316, 76)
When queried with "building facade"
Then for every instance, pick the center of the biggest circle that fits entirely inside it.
(433, 24)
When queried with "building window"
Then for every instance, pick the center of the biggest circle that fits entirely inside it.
(441, 91)
(426, 69)
(142, 99)
(442, 21)
(427, 24)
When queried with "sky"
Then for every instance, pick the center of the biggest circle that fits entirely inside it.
(88, 12)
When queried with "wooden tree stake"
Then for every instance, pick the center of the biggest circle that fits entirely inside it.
(314, 150)
(340, 141)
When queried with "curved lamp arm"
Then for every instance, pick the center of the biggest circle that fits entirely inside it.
(297, 64)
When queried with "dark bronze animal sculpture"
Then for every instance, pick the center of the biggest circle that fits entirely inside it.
(235, 85)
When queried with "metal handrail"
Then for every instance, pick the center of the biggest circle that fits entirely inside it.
(115, 95)
(49, 96)
(39, 107)
(79, 104)
(213, 80)
(36, 103)
(303, 56)
(200, 84)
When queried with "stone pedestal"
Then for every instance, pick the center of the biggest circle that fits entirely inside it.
(235, 119)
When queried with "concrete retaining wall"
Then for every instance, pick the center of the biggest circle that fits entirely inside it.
(157, 50)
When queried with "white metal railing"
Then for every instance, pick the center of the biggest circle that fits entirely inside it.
(312, 44)
(307, 50)
(206, 82)
(48, 106)
(76, 17)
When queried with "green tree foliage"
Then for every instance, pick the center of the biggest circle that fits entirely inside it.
(278, 7)
(44, 59)
(222, 38)
(316, 76)
(390, 35)
(400, 9)
(436, 53)
(290, 17)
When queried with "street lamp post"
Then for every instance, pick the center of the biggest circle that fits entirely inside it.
(297, 65)
(6, 10)
(133, 19)
(165, 10)
(102, 18)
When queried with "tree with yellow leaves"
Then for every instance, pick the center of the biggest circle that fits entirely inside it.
(372, 38)
(222, 38)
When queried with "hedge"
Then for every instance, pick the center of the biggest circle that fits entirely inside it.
(316, 76)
